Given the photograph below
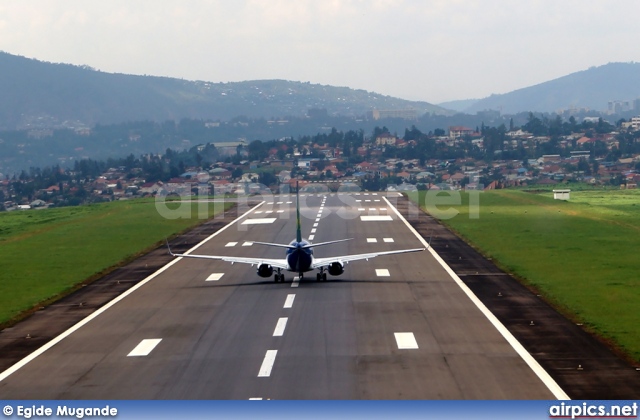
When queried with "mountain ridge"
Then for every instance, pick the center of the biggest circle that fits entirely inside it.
(36, 91)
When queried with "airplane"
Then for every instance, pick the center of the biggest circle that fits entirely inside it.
(299, 257)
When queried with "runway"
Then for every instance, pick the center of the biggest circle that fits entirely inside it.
(394, 327)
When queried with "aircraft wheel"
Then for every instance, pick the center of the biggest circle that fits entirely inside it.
(282, 278)
(324, 276)
(276, 277)
(318, 277)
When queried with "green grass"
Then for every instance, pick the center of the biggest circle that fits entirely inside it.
(46, 253)
(581, 255)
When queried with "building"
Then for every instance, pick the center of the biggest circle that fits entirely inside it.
(456, 132)
(561, 194)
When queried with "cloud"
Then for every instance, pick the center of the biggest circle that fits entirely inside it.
(432, 50)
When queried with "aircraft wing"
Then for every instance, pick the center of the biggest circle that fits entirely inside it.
(323, 262)
(276, 263)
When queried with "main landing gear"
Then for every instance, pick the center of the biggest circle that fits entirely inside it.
(278, 277)
(321, 276)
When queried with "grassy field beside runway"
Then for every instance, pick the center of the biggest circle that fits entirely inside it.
(582, 255)
(44, 253)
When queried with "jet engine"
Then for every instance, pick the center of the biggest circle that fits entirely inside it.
(265, 270)
(336, 268)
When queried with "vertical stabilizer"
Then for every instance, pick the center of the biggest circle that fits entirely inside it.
(298, 230)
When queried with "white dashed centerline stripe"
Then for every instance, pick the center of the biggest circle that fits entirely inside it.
(311, 237)
(372, 240)
(313, 230)
(215, 277)
(288, 304)
(280, 326)
(315, 225)
(145, 347)
(376, 218)
(247, 244)
(382, 272)
(230, 244)
(544, 376)
(259, 221)
(388, 240)
(295, 282)
(267, 364)
(406, 340)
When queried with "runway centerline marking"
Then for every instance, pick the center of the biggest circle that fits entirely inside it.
(315, 225)
(382, 272)
(361, 209)
(295, 282)
(406, 340)
(288, 303)
(145, 347)
(267, 364)
(372, 240)
(280, 326)
(311, 237)
(313, 230)
(388, 240)
(230, 244)
(247, 243)
(215, 277)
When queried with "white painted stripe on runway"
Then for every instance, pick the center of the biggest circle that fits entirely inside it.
(406, 341)
(361, 209)
(259, 212)
(318, 219)
(544, 376)
(315, 225)
(267, 364)
(279, 202)
(8, 372)
(145, 347)
(230, 244)
(388, 240)
(367, 201)
(280, 211)
(269, 211)
(382, 272)
(288, 304)
(374, 194)
(313, 230)
(259, 221)
(375, 218)
(289, 202)
(372, 240)
(372, 209)
(280, 326)
(358, 201)
(215, 277)
(247, 244)
(295, 282)
(255, 399)
(377, 201)
(383, 209)
(366, 193)
(311, 237)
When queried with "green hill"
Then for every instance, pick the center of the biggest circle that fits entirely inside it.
(41, 94)
(592, 88)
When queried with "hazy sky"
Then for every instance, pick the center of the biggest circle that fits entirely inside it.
(432, 50)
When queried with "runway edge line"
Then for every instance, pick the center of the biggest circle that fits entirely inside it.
(4, 375)
(544, 376)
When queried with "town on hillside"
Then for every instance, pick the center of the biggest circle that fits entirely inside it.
(541, 152)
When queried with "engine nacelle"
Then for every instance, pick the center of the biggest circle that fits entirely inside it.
(336, 268)
(265, 270)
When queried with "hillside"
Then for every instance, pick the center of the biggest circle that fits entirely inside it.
(592, 88)
(36, 93)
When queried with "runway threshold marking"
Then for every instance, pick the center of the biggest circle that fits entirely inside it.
(215, 277)
(4, 375)
(288, 303)
(280, 326)
(406, 340)
(145, 347)
(533, 364)
(267, 364)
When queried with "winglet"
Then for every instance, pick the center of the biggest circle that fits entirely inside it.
(298, 229)
(168, 247)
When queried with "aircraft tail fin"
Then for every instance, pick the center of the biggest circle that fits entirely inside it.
(298, 228)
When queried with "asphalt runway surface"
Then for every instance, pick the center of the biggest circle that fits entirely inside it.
(393, 327)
